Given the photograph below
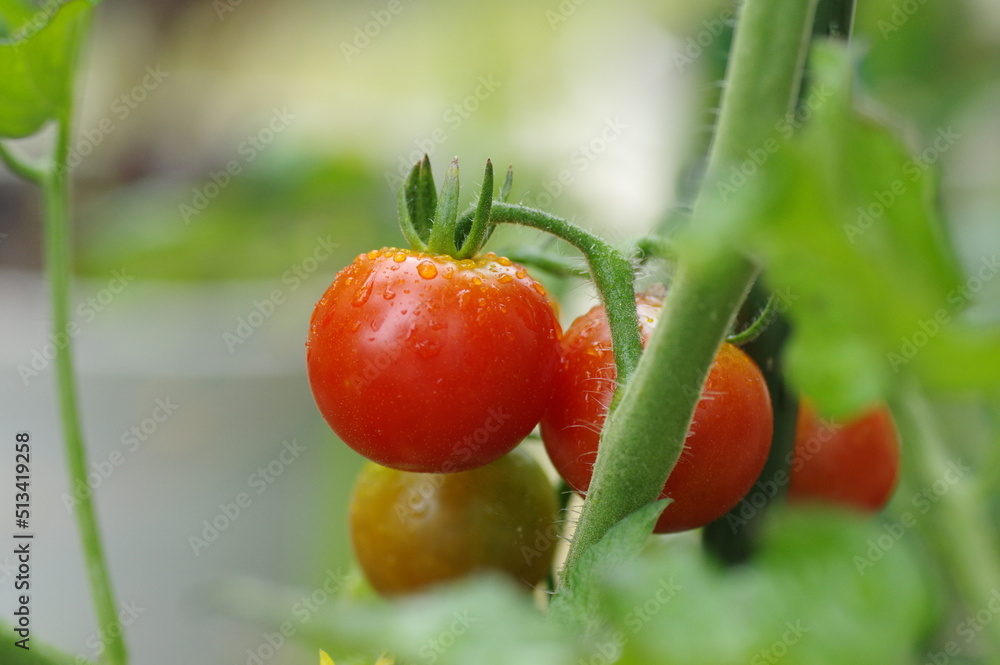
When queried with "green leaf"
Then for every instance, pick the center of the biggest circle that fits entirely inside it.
(37, 62)
(578, 603)
(804, 600)
(843, 218)
(487, 620)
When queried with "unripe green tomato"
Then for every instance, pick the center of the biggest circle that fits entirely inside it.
(411, 530)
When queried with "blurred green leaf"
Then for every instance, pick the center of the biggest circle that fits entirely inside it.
(37, 62)
(843, 217)
(805, 600)
(578, 603)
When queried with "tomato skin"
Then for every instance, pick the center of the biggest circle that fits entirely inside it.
(854, 465)
(412, 530)
(727, 444)
(425, 363)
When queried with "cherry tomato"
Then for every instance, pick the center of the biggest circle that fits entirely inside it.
(727, 444)
(411, 530)
(426, 363)
(854, 465)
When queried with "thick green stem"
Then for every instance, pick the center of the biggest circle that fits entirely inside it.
(610, 270)
(58, 262)
(957, 528)
(644, 436)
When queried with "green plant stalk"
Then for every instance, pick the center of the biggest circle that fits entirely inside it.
(957, 528)
(644, 436)
(39, 654)
(58, 263)
(611, 271)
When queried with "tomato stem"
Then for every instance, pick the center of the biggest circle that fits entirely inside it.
(611, 271)
(759, 325)
(644, 436)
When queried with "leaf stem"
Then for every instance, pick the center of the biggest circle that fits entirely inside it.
(957, 528)
(19, 167)
(611, 271)
(644, 436)
(58, 262)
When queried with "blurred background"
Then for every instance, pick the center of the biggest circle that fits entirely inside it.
(232, 155)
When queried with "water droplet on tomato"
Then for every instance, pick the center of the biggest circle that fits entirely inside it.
(520, 274)
(505, 279)
(427, 269)
(374, 324)
(364, 292)
(399, 257)
(388, 294)
(504, 261)
(538, 287)
(477, 281)
(427, 348)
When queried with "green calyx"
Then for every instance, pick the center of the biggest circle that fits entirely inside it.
(431, 223)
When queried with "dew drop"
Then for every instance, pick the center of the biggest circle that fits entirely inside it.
(364, 292)
(374, 254)
(538, 287)
(520, 274)
(387, 255)
(477, 281)
(505, 279)
(427, 348)
(355, 325)
(399, 257)
(388, 294)
(427, 270)
(448, 272)
(504, 261)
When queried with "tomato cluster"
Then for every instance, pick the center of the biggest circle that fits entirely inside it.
(436, 368)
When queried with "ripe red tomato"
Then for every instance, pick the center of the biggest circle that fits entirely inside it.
(854, 465)
(411, 530)
(727, 444)
(426, 363)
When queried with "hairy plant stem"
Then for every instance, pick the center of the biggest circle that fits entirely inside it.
(644, 435)
(610, 270)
